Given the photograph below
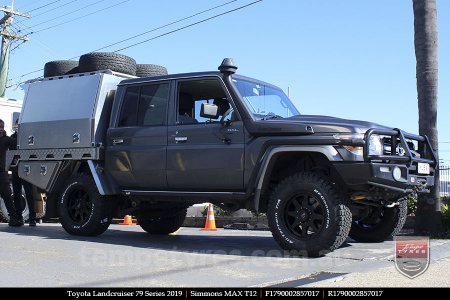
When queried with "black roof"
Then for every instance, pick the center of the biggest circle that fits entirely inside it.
(191, 75)
(170, 76)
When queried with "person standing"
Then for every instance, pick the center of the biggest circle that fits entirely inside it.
(17, 183)
(7, 143)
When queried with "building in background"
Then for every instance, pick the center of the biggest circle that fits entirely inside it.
(9, 112)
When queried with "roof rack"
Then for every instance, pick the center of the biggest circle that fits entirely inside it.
(108, 71)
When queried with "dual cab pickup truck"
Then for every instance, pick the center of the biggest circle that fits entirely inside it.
(102, 144)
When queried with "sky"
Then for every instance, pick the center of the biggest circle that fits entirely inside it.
(351, 59)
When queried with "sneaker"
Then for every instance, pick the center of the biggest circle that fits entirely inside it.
(32, 223)
(15, 223)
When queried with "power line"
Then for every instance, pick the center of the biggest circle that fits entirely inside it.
(47, 11)
(15, 28)
(8, 35)
(42, 6)
(29, 4)
(50, 10)
(190, 25)
(64, 15)
(17, 46)
(167, 33)
(163, 26)
(63, 23)
(47, 49)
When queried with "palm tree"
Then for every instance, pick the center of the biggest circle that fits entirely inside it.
(428, 219)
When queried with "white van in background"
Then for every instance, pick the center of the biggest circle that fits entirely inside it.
(10, 112)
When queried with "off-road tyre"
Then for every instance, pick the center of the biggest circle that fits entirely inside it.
(389, 223)
(307, 215)
(164, 224)
(147, 70)
(96, 61)
(59, 67)
(82, 210)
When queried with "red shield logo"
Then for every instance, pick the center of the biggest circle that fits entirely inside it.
(412, 255)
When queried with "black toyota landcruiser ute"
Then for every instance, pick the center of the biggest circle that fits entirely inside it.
(174, 140)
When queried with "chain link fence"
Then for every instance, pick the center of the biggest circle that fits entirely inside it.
(444, 173)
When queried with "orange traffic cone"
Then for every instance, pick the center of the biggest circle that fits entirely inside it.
(210, 223)
(127, 220)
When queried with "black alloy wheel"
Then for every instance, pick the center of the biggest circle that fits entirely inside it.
(304, 215)
(82, 209)
(79, 206)
(307, 215)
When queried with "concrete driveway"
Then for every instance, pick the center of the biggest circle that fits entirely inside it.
(126, 256)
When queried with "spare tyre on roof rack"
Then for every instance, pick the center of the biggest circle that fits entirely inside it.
(146, 70)
(59, 67)
(96, 61)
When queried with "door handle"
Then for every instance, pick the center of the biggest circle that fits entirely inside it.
(181, 139)
(117, 141)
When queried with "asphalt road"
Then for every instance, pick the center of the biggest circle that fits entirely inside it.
(126, 256)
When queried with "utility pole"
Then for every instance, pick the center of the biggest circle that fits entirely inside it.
(7, 37)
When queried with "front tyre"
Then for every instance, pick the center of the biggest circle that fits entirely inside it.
(379, 224)
(306, 215)
(82, 210)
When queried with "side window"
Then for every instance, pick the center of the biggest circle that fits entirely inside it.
(191, 95)
(153, 101)
(128, 111)
(144, 105)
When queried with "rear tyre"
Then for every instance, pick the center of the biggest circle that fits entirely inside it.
(164, 224)
(307, 216)
(59, 67)
(96, 61)
(379, 224)
(82, 210)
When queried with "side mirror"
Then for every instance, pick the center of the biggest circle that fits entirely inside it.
(210, 111)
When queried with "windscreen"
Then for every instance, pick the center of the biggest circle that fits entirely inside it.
(265, 102)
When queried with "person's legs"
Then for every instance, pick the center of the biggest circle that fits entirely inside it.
(5, 193)
(17, 191)
(30, 201)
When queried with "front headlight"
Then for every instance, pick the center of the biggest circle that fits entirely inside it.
(354, 138)
(375, 145)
